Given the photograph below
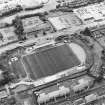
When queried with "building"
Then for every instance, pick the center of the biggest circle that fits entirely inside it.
(83, 83)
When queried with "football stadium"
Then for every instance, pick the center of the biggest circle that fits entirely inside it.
(49, 60)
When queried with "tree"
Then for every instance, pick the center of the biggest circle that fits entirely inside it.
(87, 32)
(1, 36)
(6, 76)
(11, 100)
(19, 29)
(62, 38)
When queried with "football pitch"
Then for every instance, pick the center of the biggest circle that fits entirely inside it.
(47, 62)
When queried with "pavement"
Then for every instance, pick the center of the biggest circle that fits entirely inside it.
(52, 35)
(47, 7)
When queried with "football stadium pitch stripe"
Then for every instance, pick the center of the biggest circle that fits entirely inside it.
(17, 68)
(25, 69)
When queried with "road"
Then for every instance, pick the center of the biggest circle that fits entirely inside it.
(46, 7)
(49, 6)
(52, 35)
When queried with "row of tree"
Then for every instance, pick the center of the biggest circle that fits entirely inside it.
(5, 77)
(87, 32)
(19, 29)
